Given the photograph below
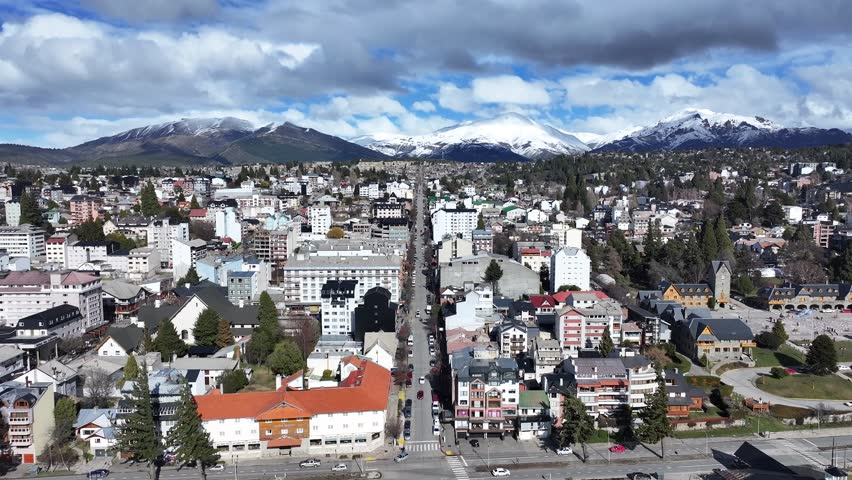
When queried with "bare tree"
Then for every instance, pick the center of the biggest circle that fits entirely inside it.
(392, 428)
(305, 333)
(98, 388)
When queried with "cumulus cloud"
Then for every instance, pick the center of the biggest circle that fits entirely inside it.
(454, 98)
(154, 10)
(509, 89)
(423, 106)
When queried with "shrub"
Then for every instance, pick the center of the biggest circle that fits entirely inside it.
(778, 372)
(768, 340)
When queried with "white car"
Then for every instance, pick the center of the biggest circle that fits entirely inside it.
(217, 468)
(436, 431)
(564, 451)
(422, 380)
(411, 353)
(500, 472)
(340, 467)
(848, 404)
(844, 367)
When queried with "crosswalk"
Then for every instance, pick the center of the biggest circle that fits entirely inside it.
(422, 446)
(813, 457)
(457, 468)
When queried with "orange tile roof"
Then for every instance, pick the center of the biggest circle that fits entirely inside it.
(235, 405)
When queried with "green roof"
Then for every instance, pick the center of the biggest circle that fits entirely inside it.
(510, 208)
(533, 399)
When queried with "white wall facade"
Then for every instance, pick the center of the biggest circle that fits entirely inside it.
(570, 266)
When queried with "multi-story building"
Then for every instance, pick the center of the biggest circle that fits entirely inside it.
(389, 209)
(64, 321)
(603, 384)
(338, 306)
(319, 217)
(243, 287)
(454, 247)
(486, 395)
(79, 254)
(304, 276)
(143, 262)
(27, 293)
(534, 258)
(512, 338)
(187, 253)
(122, 300)
(228, 225)
(13, 213)
(564, 235)
(483, 240)
(134, 227)
(581, 328)
(85, 208)
(161, 235)
(23, 241)
(29, 414)
(570, 266)
(56, 245)
(451, 222)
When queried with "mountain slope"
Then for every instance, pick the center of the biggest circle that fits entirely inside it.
(699, 129)
(508, 137)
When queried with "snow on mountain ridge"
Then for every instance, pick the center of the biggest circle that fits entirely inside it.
(186, 126)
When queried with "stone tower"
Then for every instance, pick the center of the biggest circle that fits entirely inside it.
(719, 277)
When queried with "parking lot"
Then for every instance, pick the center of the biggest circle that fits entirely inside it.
(837, 324)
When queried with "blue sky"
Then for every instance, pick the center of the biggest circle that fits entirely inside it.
(75, 70)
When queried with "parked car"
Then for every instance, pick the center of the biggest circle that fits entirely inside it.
(420, 395)
(436, 430)
(791, 371)
(844, 367)
(617, 448)
(422, 380)
(403, 456)
(217, 468)
(100, 473)
(847, 404)
(408, 383)
(564, 451)
(309, 463)
(410, 353)
(474, 443)
(500, 472)
(340, 467)
(432, 363)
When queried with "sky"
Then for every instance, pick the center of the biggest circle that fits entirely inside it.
(75, 70)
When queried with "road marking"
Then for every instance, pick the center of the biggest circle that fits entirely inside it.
(457, 468)
(812, 443)
(463, 460)
(422, 446)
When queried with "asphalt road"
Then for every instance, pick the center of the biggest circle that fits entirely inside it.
(743, 379)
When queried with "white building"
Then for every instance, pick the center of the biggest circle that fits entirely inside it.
(13, 213)
(337, 307)
(228, 225)
(319, 217)
(380, 347)
(56, 245)
(304, 276)
(792, 213)
(23, 241)
(570, 266)
(143, 262)
(453, 222)
(565, 235)
(186, 254)
(27, 293)
(161, 235)
(476, 311)
(454, 248)
(486, 395)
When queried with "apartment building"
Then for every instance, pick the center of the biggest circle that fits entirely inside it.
(85, 208)
(243, 287)
(486, 394)
(454, 247)
(483, 240)
(570, 266)
(56, 245)
(13, 213)
(512, 338)
(564, 235)
(534, 258)
(143, 262)
(452, 222)
(338, 306)
(319, 217)
(79, 254)
(64, 321)
(389, 209)
(228, 225)
(603, 384)
(304, 276)
(23, 241)
(187, 253)
(581, 328)
(29, 412)
(161, 235)
(27, 293)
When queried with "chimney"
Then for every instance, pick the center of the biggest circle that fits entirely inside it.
(187, 285)
(242, 303)
(157, 303)
(28, 382)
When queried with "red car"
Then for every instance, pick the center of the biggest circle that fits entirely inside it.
(617, 448)
(420, 395)
(791, 371)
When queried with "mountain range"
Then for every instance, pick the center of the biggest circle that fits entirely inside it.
(507, 137)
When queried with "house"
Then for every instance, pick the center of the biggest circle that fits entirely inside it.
(203, 373)
(29, 413)
(683, 398)
(122, 300)
(64, 379)
(512, 338)
(717, 338)
(121, 341)
(534, 420)
(96, 426)
(380, 347)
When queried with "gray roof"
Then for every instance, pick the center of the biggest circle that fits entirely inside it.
(121, 290)
(89, 415)
(129, 337)
(188, 363)
(722, 328)
(8, 352)
(599, 366)
(151, 316)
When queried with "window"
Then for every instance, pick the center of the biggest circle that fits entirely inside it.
(300, 430)
(269, 432)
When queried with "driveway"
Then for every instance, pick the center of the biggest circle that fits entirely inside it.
(743, 382)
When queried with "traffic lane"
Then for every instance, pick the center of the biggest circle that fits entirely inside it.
(693, 466)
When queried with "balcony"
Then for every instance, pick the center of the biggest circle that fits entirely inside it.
(20, 431)
(24, 441)
(19, 420)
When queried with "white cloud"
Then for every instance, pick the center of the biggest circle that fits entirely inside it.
(423, 106)
(509, 89)
(454, 98)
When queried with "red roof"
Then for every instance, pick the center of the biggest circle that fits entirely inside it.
(235, 405)
(562, 297)
(539, 301)
(198, 212)
(56, 240)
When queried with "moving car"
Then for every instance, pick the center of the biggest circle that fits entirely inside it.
(474, 443)
(422, 380)
(403, 456)
(617, 448)
(847, 404)
(420, 395)
(217, 468)
(436, 431)
(500, 472)
(340, 467)
(564, 451)
(309, 463)
(100, 473)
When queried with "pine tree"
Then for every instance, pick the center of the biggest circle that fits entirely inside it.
(653, 244)
(779, 331)
(191, 442)
(30, 212)
(206, 327)
(168, 342)
(605, 347)
(137, 436)
(147, 341)
(480, 222)
(191, 277)
(577, 425)
(708, 243)
(286, 359)
(148, 203)
(841, 266)
(194, 202)
(493, 273)
(723, 239)
(822, 355)
(655, 425)
(267, 333)
(131, 368)
(224, 337)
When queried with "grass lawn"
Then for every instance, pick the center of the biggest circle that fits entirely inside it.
(682, 364)
(830, 387)
(785, 356)
(262, 380)
(844, 350)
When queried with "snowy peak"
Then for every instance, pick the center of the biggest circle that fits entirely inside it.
(186, 127)
(511, 135)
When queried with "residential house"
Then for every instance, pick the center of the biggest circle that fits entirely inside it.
(717, 338)
(96, 426)
(485, 395)
(28, 410)
(121, 341)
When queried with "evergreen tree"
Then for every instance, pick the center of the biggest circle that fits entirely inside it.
(653, 243)
(64, 416)
(90, 231)
(286, 359)
(493, 273)
(131, 368)
(708, 243)
(841, 266)
(822, 355)
(191, 277)
(267, 333)
(194, 202)
(224, 337)
(233, 381)
(168, 342)
(779, 331)
(206, 327)
(148, 203)
(655, 425)
(606, 346)
(723, 239)
(30, 212)
(191, 442)
(577, 425)
(137, 436)
(480, 222)
(147, 341)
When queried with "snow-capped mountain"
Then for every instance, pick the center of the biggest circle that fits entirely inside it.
(508, 137)
(594, 140)
(698, 129)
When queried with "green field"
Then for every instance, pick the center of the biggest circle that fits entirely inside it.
(785, 356)
(262, 380)
(829, 387)
(844, 350)
(682, 364)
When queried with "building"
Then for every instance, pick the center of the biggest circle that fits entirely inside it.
(534, 420)
(29, 413)
(243, 287)
(603, 384)
(96, 426)
(581, 328)
(483, 240)
(688, 294)
(486, 395)
(304, 276)
(161, 235)
(143, 263)
(56, 245)
(512, 338)
(570, 266)
(13, 213)
(719, 275)
(516, 281)
(27, 293)
(122, 300)
(187, 253)
(338, 307)
(376, 313)
(452, 222)
(389, 209)
(380, 348)
(717, 338)
(319, 217)
(534, 258)
(121, 341)
(80, 254)
(564, 235)
(63, 321)
(23, 241)
(228, 225)
(454, 247)
(85, 208)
